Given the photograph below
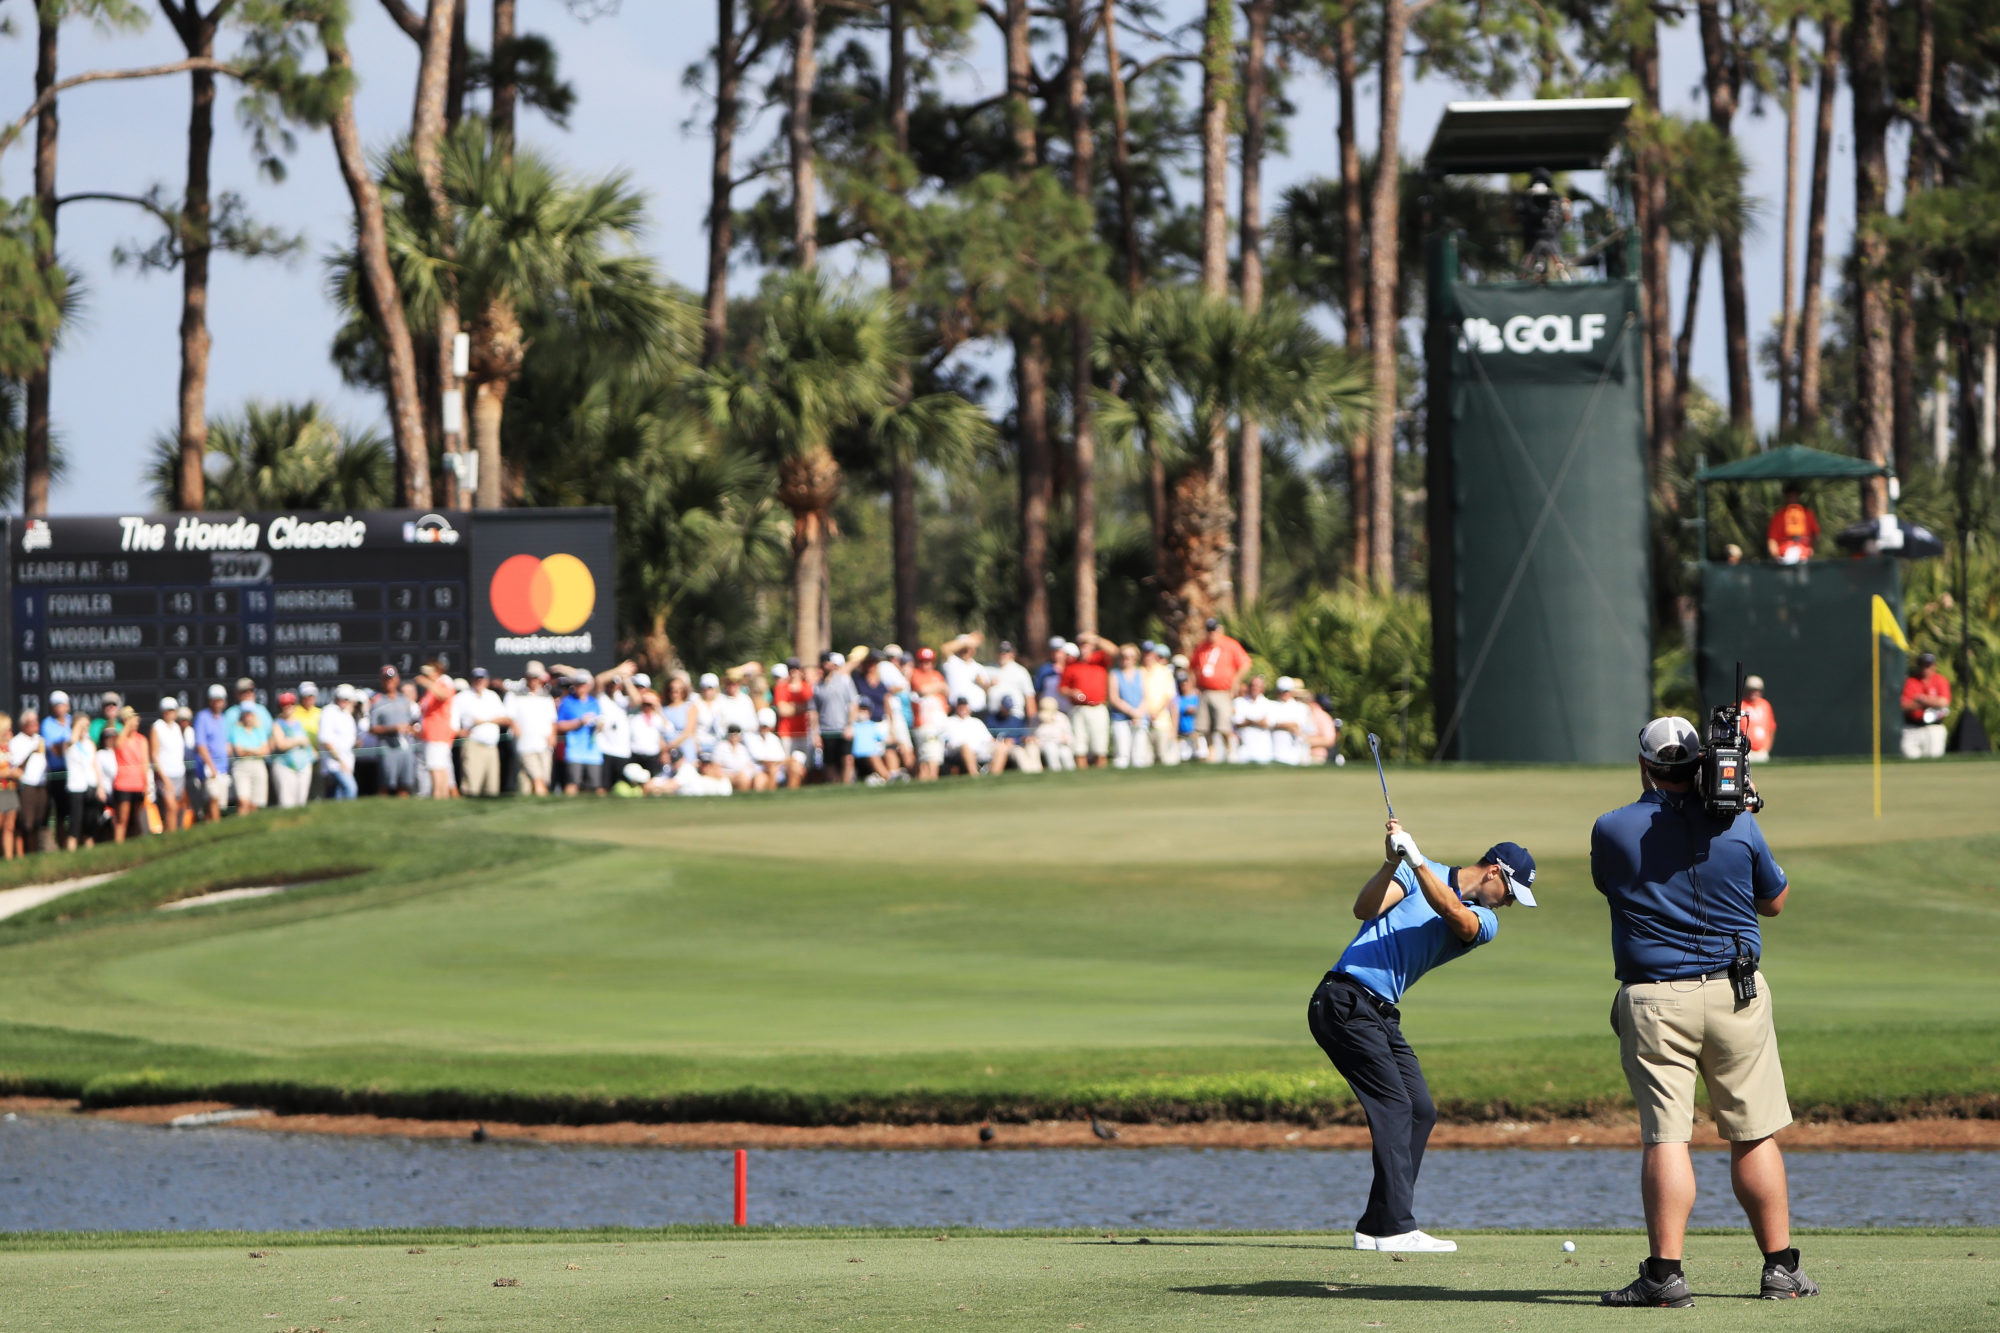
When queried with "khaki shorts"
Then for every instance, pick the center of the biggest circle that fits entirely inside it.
(1215, 713)
(1090, 724)
(482, 769)
(252, 781)
(534, 766)
(1670, 1030)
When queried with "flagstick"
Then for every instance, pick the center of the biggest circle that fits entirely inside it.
(1875, 661)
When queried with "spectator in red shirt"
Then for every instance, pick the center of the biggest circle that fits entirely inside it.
(792, 700)
(1219, 663)
(1926, 704)
(1760, 723)
(1793, 529)
(438, 728)
(1086, 683)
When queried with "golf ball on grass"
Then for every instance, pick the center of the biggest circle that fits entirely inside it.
(1569, 1247)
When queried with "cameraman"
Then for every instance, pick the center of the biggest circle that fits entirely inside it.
(1686, 889)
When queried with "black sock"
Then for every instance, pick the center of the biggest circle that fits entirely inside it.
(1785, 1259)
(1659, 1270)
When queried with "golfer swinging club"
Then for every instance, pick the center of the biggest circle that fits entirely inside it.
(1417, 914)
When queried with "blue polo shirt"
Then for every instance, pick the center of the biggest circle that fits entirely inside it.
(1682, 886)
(1391, 951)
(55, 736)
(212, 731)
(580, 746)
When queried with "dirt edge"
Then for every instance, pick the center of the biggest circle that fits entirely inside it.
(1611, 1131)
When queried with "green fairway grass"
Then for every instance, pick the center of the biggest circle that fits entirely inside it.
(644, 1281)
(1137, 944)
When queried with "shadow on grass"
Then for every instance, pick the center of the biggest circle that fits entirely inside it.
(1365, 1291)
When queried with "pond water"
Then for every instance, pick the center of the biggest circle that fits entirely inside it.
(66, 1172)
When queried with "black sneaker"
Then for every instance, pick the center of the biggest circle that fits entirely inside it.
(1673, 1293)
(1784, 1284)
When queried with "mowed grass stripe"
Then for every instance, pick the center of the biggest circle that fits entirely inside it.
(973, 1281)
(496, 955)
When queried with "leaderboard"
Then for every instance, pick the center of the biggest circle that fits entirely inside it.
(159, 605)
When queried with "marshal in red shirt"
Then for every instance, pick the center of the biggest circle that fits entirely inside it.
(1090, 676)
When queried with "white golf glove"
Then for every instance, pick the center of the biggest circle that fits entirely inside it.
(1406, 848)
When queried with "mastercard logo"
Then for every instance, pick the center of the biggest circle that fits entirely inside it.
(531, 593)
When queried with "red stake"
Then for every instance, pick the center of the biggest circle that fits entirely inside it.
(742, 1188)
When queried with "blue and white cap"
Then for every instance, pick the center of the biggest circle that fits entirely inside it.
(1513, 858)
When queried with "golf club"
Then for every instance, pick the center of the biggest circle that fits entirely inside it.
(1375, 748)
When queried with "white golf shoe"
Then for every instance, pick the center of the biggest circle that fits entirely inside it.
(1363, 1241)
(1414, 1242)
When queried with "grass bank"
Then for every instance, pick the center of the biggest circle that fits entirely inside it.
(961, 1280)
(1138, 946)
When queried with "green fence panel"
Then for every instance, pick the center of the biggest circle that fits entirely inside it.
(1808, 631)
(1540, 576)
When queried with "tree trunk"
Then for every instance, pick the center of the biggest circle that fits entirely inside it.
(378, 284)
(1870, 81)
(1384, 215)
(1903, 353)
(427, 127)
(1121, 154)
(454, 97)
(902, 468)
(505, 93)
(1788, 318)
(1250, 241)
(805, 192)
(1809, 311)
(1083, 157)
(721, 233)
(1721, 75)
(35, 435)
(1656, 264)
(1031, 361)
(1354, 290)
(1031, 397)
(809, 486)
(1197, 552)
(1684, 345)
(1218, 54)
(489, 398)
(198, 36)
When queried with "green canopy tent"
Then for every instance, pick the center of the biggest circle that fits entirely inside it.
(1807, 629)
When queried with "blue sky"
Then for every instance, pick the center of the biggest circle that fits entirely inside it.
(115, 377)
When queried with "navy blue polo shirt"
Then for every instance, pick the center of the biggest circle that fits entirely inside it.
(1683, 886)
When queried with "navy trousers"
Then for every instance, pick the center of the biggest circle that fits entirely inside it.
(1361, 1034)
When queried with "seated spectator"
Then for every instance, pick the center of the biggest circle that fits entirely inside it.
(969, 743)
(1793, 530)
(1323, 737)
(1251, 717)
(1926, 704)
(767, 747)
(1053, 740)
(734, 761)
(292, 756)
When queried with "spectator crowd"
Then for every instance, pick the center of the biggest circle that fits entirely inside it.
(872, 716)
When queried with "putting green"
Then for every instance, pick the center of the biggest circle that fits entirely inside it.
(1144, 940)
(970, 1281)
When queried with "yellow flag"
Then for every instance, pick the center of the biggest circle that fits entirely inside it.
(1885, 623)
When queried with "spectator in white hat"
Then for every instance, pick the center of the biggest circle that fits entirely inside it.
(834, 704)
(1159, 705)
(1252, 719)
(1131, 745)
(338, 731)
(1290, 721)
(170, 766)
(707, 723)
(482, 716)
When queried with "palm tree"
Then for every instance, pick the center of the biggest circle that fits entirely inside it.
(530, 248)
(825, 358)
(944, 430)
(1215, 361)
(281, 456)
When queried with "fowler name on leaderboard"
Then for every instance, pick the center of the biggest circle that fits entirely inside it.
(286, 534)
